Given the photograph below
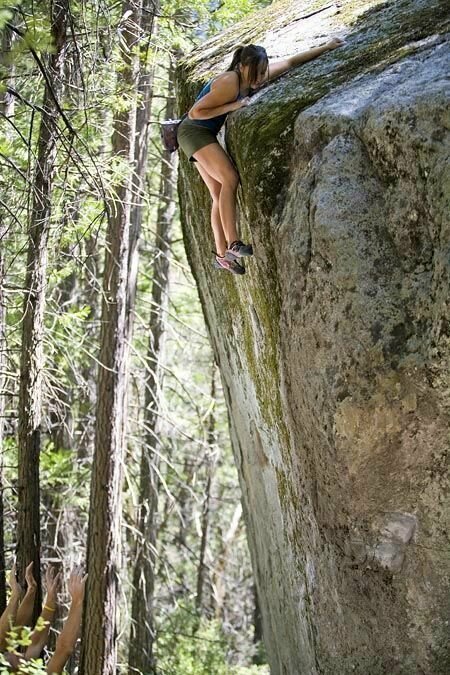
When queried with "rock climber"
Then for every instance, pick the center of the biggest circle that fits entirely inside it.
(197, 137)
(19, 611)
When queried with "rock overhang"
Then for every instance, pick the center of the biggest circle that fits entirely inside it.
(333, 347)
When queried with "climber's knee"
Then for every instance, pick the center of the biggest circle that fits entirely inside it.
(230, 180)
(215, 192)
(215, 202)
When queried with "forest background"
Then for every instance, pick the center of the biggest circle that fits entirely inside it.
(113, 432)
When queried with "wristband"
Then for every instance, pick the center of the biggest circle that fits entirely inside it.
(50, 609)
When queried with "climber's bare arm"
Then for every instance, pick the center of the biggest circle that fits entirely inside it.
(220, 100)
(277, 68)
(71, 629)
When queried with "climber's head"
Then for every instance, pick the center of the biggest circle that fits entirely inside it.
(252, 63)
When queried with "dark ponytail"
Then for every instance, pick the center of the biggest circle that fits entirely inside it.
(236, 58)
(253, 56)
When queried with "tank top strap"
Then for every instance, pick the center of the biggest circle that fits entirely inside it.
(205, 90)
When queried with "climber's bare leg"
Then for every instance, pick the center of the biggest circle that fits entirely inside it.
(214, 190)
(215, 161)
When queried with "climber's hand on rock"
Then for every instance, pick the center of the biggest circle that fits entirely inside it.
(244, 102)
(335, 42)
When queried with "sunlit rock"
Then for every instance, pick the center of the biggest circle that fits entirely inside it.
(334, 347)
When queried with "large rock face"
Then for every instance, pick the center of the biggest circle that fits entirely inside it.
(334, 347)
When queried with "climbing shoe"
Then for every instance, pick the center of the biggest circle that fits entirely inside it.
(238, 249)
(229, 265)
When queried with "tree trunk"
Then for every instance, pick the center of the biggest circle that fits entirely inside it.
(57, 530)
(2, 410)
(98, 653)
(142, 636)
(32, 358)
(206, 503)
(7, 109)
(150, 10)
(90, 296)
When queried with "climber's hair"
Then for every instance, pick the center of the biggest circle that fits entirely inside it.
(253, 56)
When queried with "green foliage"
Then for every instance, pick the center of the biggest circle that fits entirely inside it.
(6, 13)
(56, 465)
(16, 640)
(18, 637)
(189, 645)
(205, 18)
(229, 12)
(32, 667)
(192, 645)
(38, 35)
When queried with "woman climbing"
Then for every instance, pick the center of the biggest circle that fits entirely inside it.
(197, 137)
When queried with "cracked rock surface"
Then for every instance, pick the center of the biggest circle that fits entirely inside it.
(334, 347)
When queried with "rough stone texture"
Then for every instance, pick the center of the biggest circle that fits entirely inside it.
(335, 347)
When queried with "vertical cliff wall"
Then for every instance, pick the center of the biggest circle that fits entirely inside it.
(334, 347)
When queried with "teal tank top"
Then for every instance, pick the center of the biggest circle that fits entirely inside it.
(213, 123)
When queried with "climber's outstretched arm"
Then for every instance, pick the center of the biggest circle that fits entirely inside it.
(69, 634)
(277, 68)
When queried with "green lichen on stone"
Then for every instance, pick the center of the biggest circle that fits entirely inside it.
(286, 492)
(264, 367)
